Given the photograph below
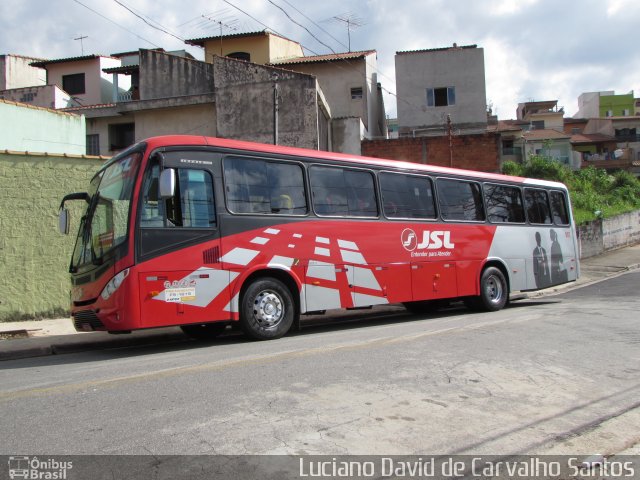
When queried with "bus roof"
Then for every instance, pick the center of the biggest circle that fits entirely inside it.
(194, 140)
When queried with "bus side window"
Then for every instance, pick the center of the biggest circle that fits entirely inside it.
(196, 199)
(405, 196)
(504, 204)
(264, 187)
(460, 200)
(343, 192)
(559, 208)
(537, 205)
(191, 206)
(152, 213)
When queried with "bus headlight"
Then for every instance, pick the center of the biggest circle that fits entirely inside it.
(113, 285)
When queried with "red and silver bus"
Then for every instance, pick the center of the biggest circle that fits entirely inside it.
(203, 232)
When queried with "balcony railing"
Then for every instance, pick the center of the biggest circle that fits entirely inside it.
(125, 96)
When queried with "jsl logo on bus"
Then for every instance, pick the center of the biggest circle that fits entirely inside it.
(431, 240)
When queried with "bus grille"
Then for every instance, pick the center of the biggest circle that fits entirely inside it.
(87, 320)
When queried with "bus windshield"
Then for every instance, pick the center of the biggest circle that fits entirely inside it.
(105, 223)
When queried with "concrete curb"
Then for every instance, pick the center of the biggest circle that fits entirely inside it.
(65, 344)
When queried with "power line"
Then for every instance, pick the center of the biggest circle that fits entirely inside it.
(393, 94)
(116, 24)
(299, 24)
(316, 24)
(161, 28)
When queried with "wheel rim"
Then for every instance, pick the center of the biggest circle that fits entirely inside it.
(268, 309)
(494, 289)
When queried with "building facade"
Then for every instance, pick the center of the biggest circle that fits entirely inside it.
(439, 84)
(16, 72)
(227, 98)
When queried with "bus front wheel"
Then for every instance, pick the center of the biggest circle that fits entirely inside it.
(267, 310)
(494, 291)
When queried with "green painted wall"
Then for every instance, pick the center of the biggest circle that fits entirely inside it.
(617, 104)
(34, 278)
(33, 129)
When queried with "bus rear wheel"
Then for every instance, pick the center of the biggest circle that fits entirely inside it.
(494, 291)
(267, 310)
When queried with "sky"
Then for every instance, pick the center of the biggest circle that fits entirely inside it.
(533, 49)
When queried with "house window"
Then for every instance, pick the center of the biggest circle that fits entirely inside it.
(537, 125)
(121, 135)
(441, 97)
(356, 93)
(93, 144)
(73, 84)
(240, 56)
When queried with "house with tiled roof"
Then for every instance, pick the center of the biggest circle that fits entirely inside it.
(261, 47)
(348, 82)
(176, 94)
(83, 77)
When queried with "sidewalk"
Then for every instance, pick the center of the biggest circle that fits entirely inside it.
(57, 336)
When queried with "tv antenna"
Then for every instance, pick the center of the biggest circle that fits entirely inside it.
(81, 37)
(223, 22)
(351, 21)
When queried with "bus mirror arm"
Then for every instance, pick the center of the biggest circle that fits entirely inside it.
(75, 196)
(167, 183)
(64, 219)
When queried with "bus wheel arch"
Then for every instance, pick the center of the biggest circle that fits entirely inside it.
(269, 304)
(493, 286)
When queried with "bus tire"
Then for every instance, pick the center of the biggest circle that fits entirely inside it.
(267, 310)
(494, 290)
(204, 331)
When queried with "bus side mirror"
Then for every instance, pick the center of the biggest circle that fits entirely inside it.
(167, 183)
(63, 221)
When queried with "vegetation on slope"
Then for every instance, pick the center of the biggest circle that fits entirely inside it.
(594, 192)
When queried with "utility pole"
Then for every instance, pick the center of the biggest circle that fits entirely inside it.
(450, 134)
(276, 107)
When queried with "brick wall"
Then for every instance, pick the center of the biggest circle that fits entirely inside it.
(473, 152)
(34, 278)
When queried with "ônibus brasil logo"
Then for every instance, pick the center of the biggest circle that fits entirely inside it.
(431, 240)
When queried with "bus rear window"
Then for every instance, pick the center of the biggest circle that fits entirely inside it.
(460, 200)
(559, 208)
(260, 186)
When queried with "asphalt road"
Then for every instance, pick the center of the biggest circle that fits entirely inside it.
(536, 377)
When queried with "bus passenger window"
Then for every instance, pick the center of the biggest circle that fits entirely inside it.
(559, 208)
(537, 205)
(264, 187)
(405, 196)
(460, 200)
(504, 204)
(342, 192)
